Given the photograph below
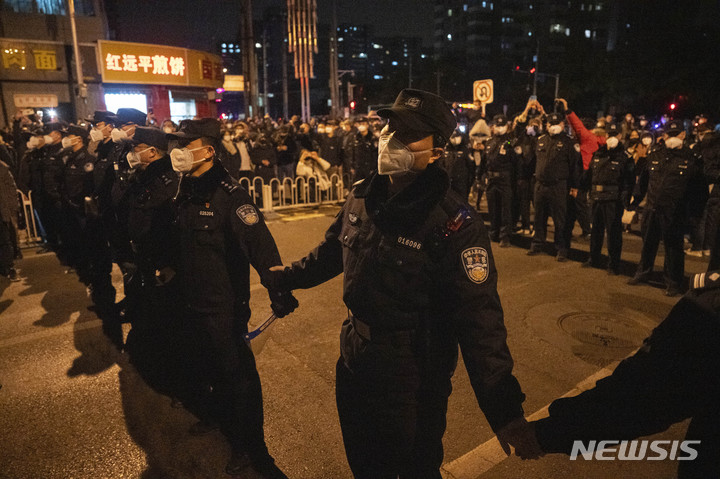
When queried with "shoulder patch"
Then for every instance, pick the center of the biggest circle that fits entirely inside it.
(248, 214)
(166, 179)
(475, 263)
(577, 147)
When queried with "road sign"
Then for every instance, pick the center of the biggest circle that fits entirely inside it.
(483, 91)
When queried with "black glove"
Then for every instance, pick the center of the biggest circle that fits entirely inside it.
(276, 280)
(282, 302)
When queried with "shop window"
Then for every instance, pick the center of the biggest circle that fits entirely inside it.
(182, 108)
(114, 101)
(49, 7)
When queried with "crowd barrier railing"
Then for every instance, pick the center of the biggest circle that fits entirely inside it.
(30, 235)
(293, 193)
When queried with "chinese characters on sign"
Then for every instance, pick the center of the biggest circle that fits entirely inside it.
(35, 101)
(12, 57)
(156, 64)
(45, 59)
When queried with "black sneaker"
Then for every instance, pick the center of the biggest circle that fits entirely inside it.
(635, 280)
(533, 252)
(13, 275)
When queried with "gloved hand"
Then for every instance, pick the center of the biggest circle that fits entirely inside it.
(520, 435)
(275, 278)
(282, 302)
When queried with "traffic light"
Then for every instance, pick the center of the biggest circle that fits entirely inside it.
(517, 67)
(532, 70)
(672, 106)
(352, 105)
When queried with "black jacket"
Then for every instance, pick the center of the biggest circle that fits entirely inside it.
(421, 261)
(611, 175)
(221, 233)
(558, 159)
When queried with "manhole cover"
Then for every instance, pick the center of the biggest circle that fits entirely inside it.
(597, 333)
(603, 329)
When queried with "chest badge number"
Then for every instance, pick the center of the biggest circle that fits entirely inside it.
(248, 214)
(353, 218)
(475, 262)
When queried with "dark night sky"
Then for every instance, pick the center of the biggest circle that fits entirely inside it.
(201, 24)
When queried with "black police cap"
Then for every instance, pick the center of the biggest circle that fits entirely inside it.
(77, 131)
(194, 129)
(102, 115)
(55, 126)
(422, 111)
(555, 118)
(500, 120)
(151, 136)
(131, 115)
(674, 127)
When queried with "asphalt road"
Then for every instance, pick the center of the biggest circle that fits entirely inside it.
(71, 406)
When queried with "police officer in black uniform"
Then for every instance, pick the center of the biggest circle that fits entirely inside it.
(500, 165)
(708, 147)
(459, 164)
(557, 175)
(674, 186)
(419, 280)
(155, 337)
(671, 378)
(610, 180)
(364, 151)
(50, 169)
(526, 135)
(221, 234)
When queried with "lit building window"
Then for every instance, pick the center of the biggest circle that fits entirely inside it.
(465, 8)
(588, 33)
(529, 34)
(376, 46)
(340, 39)
(377, 77)
(567, 32)
(394, 64)
(449, 36)
(450, 12)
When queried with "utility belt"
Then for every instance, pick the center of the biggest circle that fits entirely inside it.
(380, 335)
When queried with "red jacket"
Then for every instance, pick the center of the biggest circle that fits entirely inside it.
(589, 142)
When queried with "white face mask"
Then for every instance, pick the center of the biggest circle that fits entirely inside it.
(456, 140)
(96, 135)
(362, 128)
(118, 135)
(29, 145)
(501, 130)
(67, 142)
(555, 129)
(183, 160)
(612, 142)
(394, 158)
(321, 130)
(167, 129)
(643, 123)
(647, 141)
(530, 130)
(48, 139)
(673, 142)
(134, 159)
(227, 137)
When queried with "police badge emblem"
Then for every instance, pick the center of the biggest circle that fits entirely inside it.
(475, 262)
(248, 214)
(413, 102)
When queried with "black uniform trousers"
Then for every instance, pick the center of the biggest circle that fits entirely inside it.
(606, 218)
(657, 225)
(525, 197)
(7, 251)
(74, 241)
(226, 362)
(671, 378)
(712, 228)
(392, 409)
(499, 198)
(550, 200)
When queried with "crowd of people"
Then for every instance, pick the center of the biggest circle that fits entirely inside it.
(163, 203)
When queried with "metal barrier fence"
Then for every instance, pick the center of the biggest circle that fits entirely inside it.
(288, 193)
(30, 235)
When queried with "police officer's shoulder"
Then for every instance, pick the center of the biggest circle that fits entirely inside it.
(544, 136)
(458, 215)
(705, 281)
(229, 185)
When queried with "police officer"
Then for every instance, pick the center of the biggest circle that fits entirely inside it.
(611, 179)
(557, 175)
(671, 378)
(50, 168)
(526, 135)
(221, 234)
(673, 183)
(500, 165)
(709, 148)
(157, 332)
(459, 164)
(364, 151)
(419, 280)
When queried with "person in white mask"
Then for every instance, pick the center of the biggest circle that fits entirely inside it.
(676, 193)
(222, 233)
(417, 263)
(611, 180)
(557, 173)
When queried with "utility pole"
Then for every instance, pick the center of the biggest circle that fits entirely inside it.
(249, 59)
(334, 79)
(286, 112)
(410, 70)
(81, 87)
(537, 71)
(266, 107)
